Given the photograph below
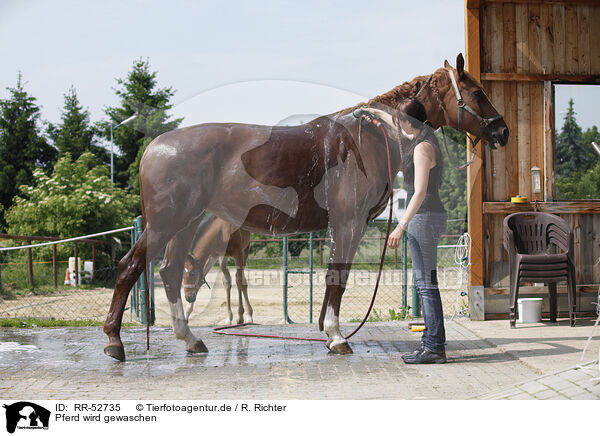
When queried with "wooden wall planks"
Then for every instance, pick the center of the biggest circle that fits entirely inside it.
(557, 40)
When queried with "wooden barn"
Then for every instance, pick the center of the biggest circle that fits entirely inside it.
(520, 50)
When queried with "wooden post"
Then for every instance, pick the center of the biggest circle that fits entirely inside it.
(474, 173)
(54, 267)
(93, 260)
(30, 266)
(76, 263)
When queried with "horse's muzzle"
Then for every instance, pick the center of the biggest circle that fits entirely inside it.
(190, 294)
(499, 137)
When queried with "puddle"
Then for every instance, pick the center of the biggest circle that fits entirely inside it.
(17, 348)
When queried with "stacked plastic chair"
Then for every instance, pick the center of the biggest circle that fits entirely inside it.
(527, 238)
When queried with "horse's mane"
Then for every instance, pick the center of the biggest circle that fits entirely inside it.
(393, 97)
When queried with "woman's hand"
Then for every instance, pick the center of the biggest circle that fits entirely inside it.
(395, 237)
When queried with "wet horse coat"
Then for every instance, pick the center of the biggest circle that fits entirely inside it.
(279, 181)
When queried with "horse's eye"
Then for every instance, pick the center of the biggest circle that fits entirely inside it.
(477, 94)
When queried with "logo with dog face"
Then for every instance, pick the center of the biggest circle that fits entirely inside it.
(26, 415)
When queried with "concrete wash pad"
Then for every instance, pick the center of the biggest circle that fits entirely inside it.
(484, 357)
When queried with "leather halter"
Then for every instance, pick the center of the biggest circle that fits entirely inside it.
(483, 122)
(199, 281)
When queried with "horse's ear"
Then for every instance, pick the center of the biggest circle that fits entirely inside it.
(460, 65)
(446, 64)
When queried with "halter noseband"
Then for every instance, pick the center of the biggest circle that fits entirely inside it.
(483, 122)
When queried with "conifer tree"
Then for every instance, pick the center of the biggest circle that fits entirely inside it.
(571, 154)
(74, 134)
(140, 95)
(23, 147)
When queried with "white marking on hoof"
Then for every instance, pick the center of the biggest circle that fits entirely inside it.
(332, 328)
(180, 324)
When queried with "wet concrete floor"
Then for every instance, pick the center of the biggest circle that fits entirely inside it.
(68, 363)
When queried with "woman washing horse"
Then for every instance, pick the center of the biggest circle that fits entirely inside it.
(424, 219)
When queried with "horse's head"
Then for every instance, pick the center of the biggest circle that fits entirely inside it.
(192, 278)
(466, 107)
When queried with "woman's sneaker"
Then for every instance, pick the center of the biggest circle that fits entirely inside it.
(414, 353)
(426, 356)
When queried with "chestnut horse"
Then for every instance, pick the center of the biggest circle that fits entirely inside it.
(218, 240)
(282, 181)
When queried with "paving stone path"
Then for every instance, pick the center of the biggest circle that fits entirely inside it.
(68, 363)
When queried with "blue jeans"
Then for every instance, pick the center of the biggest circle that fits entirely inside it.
(424, 232)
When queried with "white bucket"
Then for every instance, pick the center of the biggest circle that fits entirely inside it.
(530, 309)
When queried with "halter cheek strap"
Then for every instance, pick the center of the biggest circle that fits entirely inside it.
(483, 122)
(201, 280)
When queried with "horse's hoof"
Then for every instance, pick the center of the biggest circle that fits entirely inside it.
(342, 348)
(116, 352)
(198, 347)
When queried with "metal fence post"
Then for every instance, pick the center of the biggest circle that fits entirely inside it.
(141, 287)
(1, 261)
(54, 267)
(134, 291)
(76, 252)
(286, 317)
(310, 280)
(404, 273)
(416, 302)
(30, 266)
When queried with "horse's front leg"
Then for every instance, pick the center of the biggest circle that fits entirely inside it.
(345, 240)
(337, 275)
(171, 272)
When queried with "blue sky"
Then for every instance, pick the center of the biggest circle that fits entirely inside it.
(258, 61)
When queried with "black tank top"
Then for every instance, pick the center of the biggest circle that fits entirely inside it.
(432, 201)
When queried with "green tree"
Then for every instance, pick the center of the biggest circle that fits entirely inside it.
(589, 136)
(139, 94)
(23, 147)
(77, 199)
(74, 134)
(453, 190)
(581, 185)
(570, 153)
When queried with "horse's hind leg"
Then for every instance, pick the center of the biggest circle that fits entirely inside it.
(245, 314)
(227, 285)
(171, 272)
(345, 242)
(130, 268)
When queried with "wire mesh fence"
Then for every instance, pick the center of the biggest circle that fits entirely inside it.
(37, 283)
(265, 276)
(395, 298)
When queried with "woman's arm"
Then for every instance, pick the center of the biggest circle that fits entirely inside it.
(424, 158)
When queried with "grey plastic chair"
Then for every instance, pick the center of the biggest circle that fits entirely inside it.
(527, 238)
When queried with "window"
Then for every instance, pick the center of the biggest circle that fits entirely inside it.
(577, 122)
